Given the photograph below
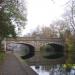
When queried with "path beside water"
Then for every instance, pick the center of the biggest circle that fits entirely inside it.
(12, 66)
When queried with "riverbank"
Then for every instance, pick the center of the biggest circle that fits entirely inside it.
(2, 56)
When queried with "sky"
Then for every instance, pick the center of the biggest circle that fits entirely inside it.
(42, 13)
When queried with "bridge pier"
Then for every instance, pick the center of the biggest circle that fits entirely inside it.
(4, 44)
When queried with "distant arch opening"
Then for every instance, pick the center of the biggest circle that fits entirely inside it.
(24, 50)
(53, 51)
(28, 51)
(59, 50)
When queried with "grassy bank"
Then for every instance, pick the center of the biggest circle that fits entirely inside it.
(2, 55)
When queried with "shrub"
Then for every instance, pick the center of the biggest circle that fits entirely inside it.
(71, 50)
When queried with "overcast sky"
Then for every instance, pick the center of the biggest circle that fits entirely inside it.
(42, 12)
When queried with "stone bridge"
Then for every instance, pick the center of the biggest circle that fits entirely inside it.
(36, 42)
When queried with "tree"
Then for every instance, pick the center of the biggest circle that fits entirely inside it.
(45, 32)
(36, 33)
(17, 12)
(70, 15)
(49, 32)
(10, 18)
(70, 46)
(60, 27)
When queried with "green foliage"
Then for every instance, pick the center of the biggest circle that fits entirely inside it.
(71, 52)
(6, 27)
(68, 66)
(11, 18)
(71, 48)
(16, 11)
(71, 45)
(9, 13)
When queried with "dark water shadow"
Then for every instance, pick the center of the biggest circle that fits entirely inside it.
(58, 51)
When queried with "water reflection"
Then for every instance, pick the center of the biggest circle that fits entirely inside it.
(58, 69)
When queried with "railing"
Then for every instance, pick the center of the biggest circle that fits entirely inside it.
(33, 39)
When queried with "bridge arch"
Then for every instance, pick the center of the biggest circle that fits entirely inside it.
(27, 50)
(29, 45)
(59, 48)
(53, 50)
(31, 51)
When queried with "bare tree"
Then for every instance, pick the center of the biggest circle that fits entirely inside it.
(50, 31)
(45, 32)
(70, 15)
